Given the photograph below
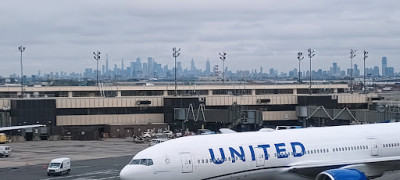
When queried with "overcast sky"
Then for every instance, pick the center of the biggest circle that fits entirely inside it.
(60, 35)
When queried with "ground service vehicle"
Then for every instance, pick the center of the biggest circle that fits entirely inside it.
(3, 138)
(5, 151)
(59, 166)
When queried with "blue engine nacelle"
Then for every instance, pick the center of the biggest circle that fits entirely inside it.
(341, 174)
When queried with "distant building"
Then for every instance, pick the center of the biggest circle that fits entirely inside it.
(384, 66)
(356, 71)
(208, 67)
(192, 66)
(107, 69)
(390, 71)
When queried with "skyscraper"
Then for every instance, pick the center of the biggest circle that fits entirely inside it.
(107, 63)
(179, 69)
(390, 71)
(356, 71)
(138, 65)
(384, 66)
(150, 66)
(335, 69)
(192, 66)
(208, 67)
(376, 71)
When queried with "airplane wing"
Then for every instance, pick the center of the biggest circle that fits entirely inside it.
(266, 130)
(20, 127)
(226, 131)
(312, 169)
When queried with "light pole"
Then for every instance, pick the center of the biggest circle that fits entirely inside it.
(22, 49)
(97, 58)
(175, 54)
(300, 57)
(365, 57)
(223, 58)
(352, 55)
(311, 53)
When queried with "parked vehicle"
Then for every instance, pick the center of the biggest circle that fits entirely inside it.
(59, 166)
(5, 151)
(287, 127)
(204, 132)
(157, 141)
(169, 134)
(147, 135)
(138, 139)
(3, 138)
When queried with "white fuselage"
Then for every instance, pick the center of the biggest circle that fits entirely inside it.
(272, 155)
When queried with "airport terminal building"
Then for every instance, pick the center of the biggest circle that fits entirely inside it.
(90, 112)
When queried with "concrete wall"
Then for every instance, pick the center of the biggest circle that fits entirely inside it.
(279, 115)
(352, 98)
(5, 103)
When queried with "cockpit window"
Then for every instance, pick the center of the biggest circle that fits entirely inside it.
(143, 161)
(146, 162)
(135, 161)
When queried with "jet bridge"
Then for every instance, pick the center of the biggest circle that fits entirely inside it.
(351, 116)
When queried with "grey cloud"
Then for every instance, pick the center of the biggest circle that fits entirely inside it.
(60, 35)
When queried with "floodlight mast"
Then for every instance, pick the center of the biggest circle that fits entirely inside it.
(365, 57)
(223, 58)
(175, 54)
(22, 49)
(311, 53)
(97, 58)
(300, 57)
(352, 55)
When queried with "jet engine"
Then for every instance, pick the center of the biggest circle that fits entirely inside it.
(341, 174)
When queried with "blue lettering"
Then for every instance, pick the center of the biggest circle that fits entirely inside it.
(281, 151)
(264, 147)
(214, 160)
(240, 155)
(253, 156)
(295, 153)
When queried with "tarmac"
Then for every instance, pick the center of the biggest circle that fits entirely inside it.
(42, 152)
(89, 159)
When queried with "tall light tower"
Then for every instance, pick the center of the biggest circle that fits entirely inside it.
(223, 58)
(300, 57)
(352, 55)
(97, 58)
(365, 57)
(22, 49)
(175, 54)
(311, 53)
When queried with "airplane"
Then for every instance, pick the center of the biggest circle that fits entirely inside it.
(356, 152)
(20, 127)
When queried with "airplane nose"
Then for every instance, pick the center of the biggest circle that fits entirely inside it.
(126, 173)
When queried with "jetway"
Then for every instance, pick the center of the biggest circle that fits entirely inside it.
(352, 115)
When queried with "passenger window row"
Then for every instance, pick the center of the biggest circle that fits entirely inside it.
(351, 148)
(202, 161)
(317, 151)
(391, 145)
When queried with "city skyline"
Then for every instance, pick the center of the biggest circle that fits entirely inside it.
(147, 68)
(61, 36)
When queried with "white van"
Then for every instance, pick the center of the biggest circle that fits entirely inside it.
(5, 151)
(59, 166)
